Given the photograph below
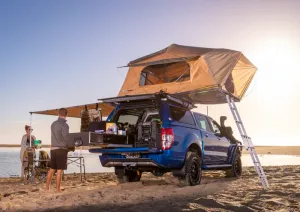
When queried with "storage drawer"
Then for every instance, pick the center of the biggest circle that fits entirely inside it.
(90, 138)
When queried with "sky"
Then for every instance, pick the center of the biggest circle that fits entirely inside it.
(64, 53)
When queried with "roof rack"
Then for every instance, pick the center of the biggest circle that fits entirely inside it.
(173, 97)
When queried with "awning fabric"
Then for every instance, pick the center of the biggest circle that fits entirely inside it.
(75, 111)
(211, 71)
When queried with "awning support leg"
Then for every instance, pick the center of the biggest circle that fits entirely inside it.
(30, 129)
(247, 142)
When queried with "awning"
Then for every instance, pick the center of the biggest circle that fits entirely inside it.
(75, 111)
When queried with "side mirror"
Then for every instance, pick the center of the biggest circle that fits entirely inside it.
(222, 120)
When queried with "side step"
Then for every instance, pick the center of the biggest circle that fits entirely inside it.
(222, 166)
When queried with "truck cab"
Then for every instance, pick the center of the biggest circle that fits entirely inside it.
(162, 135)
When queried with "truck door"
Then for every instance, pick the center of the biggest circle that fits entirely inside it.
(222, 143)
(209, 144)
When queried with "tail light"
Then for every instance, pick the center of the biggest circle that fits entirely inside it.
(167, 138)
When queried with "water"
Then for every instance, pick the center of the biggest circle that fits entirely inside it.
(10, 164)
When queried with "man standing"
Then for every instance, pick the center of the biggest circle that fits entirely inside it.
(59, 148)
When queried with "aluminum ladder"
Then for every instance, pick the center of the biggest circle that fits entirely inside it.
(247, 142)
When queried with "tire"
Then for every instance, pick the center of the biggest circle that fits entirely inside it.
(193, 171)
(236, 169)
(158, 174)
(129, 176)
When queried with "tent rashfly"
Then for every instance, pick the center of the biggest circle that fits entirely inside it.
(205, 75)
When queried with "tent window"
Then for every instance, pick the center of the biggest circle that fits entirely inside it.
(165, 73)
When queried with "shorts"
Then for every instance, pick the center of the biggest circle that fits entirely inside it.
(59, 158)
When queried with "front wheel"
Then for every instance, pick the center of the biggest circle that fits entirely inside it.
(193, 171)
(236, 169)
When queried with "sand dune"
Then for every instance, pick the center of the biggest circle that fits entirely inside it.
(216, 193)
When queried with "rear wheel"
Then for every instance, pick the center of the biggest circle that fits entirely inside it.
(193, 171)
(236, 169)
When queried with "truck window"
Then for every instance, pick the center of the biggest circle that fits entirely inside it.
(202, 121)
(152, 117)
(130, 119)
(183, 116)
(214, 127)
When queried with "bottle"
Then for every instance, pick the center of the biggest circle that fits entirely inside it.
(115, 129)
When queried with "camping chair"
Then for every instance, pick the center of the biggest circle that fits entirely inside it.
(33, 172)
(41, 170)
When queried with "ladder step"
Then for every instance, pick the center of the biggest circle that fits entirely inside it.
(239, 122)
(244, 136)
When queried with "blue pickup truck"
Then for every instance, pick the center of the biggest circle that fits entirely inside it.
(164, 135)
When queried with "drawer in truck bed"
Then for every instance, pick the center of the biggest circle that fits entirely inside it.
(90, 138)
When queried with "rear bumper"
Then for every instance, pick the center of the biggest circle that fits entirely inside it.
(147, 157)
(142, 162)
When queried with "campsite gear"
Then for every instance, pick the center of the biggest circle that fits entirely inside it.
(248, 143)
(95, 126)
(111, 128)
(205, 75)
(85, 121)
(37, 144)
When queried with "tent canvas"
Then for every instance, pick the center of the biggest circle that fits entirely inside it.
(205, 75)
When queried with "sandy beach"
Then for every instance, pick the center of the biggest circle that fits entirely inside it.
(101, 192)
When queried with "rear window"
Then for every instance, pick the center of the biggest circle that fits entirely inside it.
(183, 116)
(153, 117)
(130, 119)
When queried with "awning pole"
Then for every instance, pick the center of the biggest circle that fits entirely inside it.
(30, 129)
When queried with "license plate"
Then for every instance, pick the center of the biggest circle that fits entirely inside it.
(132, 155)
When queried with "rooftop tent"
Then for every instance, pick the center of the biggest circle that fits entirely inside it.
(75, 111)
(205, 75)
